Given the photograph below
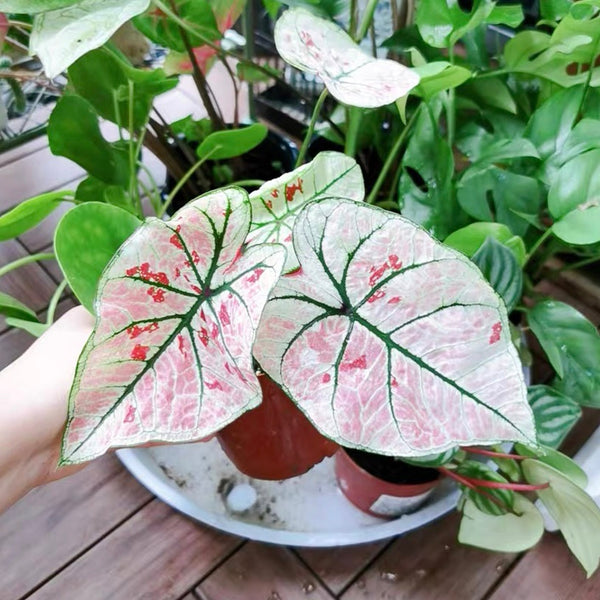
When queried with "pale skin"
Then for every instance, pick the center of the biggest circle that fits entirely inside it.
(33, 407)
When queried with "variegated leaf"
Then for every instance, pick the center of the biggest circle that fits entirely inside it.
(61, 36)
(316, 45)
(388, 340)
(178, 307)
(276, 203)
(3, 29)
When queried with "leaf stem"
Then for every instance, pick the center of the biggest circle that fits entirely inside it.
(391, 157)
(54, 301)
(451, 104)
(25, 260)
(537, 245)
(491, 453)
(580, 263)
(311, 127)
(248, 182)
(366, 20)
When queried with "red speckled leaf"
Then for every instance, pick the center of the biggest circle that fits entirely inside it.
(276, 203)
(178, 307)
(388, 340)
(352, 76)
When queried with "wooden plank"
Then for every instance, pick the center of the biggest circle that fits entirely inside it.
(54, 523)
(23, 150)
(258, 571)
(12, 344)
(429, 563)
(43, 234)
(549, 571)
(156, 554)
(338, 567)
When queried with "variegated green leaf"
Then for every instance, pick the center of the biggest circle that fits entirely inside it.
(389, 341)
(276, 203)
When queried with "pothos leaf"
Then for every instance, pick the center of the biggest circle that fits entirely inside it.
(170, 356)
(61, 36)
(316, 45)
(389, 341)
(276, 203)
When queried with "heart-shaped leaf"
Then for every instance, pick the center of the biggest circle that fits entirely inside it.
(276, 203)
(389, 341)
(61, 36)
(170, 356)
(316, 45)
(11, 307)
(232, 142)
(573, 510)
(34, 6)
(554, 414)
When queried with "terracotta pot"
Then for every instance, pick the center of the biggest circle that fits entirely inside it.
(378, 497)
(274, 440)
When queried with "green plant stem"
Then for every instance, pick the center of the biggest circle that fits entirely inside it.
(353, 15)
(133, 193)
(580, 263)
(451, 105)
(392, 157)
(248, 182)
(25, 261)
(366, 20)
(588, 79)
(54, 301)
(353, 120)
(311, 127)
(154, 193)
(491, 453)
(537, 245)
(183, 181)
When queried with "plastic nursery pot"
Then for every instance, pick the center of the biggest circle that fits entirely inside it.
(394, 488)
(275, 440)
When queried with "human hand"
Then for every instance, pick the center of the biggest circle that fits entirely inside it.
(33, 406)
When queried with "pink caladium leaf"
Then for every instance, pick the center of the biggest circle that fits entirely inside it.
(3, 29)
(316, 45)
(178, 308)
(276, 203)
(388, 340)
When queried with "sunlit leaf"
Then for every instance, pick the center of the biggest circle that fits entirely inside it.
(319, 46)
(389, 341)
(170, 356)
(576, 514)
(559, 461)
(276, 203)
(502, 533)
(11, 307)
(61, 36)
(34, 6)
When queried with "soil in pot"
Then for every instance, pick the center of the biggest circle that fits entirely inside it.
(275, 440)
(383, 486)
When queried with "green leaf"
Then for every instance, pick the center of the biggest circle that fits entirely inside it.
(559, 461)
(162, 30)
(31, 7)
(438, 76)
(113, 86)
(574, 511)
(477, 470)
(29, 213)
(574, 200)
(554, 414)
(251, 74)
(501, 150)
(94, 190)
(425, 191)
(490, 92)
(34, 328)
(443, 23)
(60, 37)
(11, 307)
(504, 533)
(74, 132)
(232, 142)
(554, 10)
(85, 240)
(494, 194)
(433, 460)
(572, 345)
(470, 238)
(500, 267)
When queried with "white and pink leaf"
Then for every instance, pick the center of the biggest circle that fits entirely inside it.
(353, 77)
(276, 203)
(389, 341)
(178, 307)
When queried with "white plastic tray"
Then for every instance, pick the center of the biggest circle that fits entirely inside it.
(308, 510)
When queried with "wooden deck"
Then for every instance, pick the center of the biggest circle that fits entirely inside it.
(100, 535)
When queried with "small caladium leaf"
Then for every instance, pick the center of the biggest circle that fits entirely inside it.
(178, 307)
(389, 341)
(61, 36)
(276, 203)
(319, 46)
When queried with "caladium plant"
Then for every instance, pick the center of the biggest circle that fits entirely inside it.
(178, 307)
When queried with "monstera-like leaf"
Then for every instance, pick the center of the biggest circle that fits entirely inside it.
(316, 45)
(276, 203)
(178, 307)
(388, 340)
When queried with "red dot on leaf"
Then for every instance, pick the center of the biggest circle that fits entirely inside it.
(496, 330)
(359, 363)
(326, 378)
(139, 352)
(129, 415)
